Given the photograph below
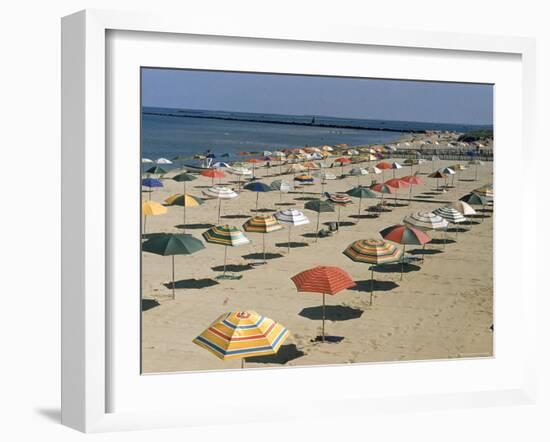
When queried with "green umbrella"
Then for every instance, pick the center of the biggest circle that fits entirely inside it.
(155, 170)
(319, 206)
(168, 244)
(361, 192)
(184, 178)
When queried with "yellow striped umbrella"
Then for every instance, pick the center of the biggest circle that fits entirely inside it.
(373, 251)
(262, 224)
(151, 208)
(185, 200)
(242, 335)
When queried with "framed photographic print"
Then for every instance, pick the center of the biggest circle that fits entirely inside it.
(285, 212)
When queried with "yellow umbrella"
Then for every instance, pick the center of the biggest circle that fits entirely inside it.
(151, 208)
(242, 335)
(185, 200)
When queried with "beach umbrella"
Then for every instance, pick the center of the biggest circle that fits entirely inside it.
(327, 148)
(262, 224)
(163, 161)
(405, 235)
(361, 192)
(358, 172)
(185, 200)
(437, 175)
(447, 171)
(397, 184)
(254, 161)
(451, 215)
(475, 199)
(258, 187)
(151, 183)
(412, 180)
(171, 245)
(463, 207)
(220, 165)
(476, 163)
(327, 280)
(213, 173)
(373, 170)
(281, 186)
(146, 161)
(383, 166)
(239, 172)
(486, 191)
(342, 161)
(319, 206)
(395, 166)
(221, 193)
(383, 189)
(184, 178)
(291, 217)
(155, 170)
(375, 252)
(227, 236)
(243, 334)
(426, 221)
(324, 176)
(304, 178)
(294, 168)
(151, 208)
(341, 200)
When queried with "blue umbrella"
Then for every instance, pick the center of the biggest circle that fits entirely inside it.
(258, 186)
(150, 183)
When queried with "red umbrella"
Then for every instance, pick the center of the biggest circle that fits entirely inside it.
(323, 279)
(342, 161)
(413, 180)
(383, 188)
(402, 234)
(383, 165)
(397, 183)
(213, 173)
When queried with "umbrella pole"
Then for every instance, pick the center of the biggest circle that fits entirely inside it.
(257, 196)
(144, 223)
(173, 278)
(184, 187)
(150, 192)
(371, 283)
(410, 194)
(224, 260)
(323, 326)
(359, 211)
(219, 208)
(184, 213)
(338, 220)
(317, 228)
(288, 244)
(403, 261)
(242, 362)
(263, 246)
(423, 248)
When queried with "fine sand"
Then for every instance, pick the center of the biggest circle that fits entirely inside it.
(442, 308)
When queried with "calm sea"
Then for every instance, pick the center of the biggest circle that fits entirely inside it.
(174, 132)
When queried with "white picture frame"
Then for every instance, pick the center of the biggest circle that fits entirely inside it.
(86, 213)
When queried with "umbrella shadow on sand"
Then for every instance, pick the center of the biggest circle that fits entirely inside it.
(194, 226)
(379, 286)
(235, 216)
(396, 268)
(292, 245)
(148, 304)
(367, 216)
(442, 241)
(457, 229)
(305, 198)
(233, 268)
(261, 256)
(192, 283)
(263, 210)
(285, 204)
(332, 313)
(424, 251)
(285, 354)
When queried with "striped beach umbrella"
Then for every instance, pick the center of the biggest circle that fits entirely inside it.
(463, 207)
(221, 193)
(427, 221)
(375, 252)
(171, 245)
(341, 200)
(361, 192)
(151, 208)
(383, 189)
(228, 236)
(323, 279)
(243, 334)
(185, 200)
(151, 183)
(405, 235)
(451, 215)
(184, 178)
(258, 187)
(291, 217)
(262, 224)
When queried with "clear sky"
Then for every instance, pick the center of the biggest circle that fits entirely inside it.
(310, 95)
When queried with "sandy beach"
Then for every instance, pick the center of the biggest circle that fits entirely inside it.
(442, 308)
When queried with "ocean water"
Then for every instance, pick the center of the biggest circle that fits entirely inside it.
(171, 132)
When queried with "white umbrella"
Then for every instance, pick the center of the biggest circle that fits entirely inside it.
(426, 221)
(291, 217)
(221, 193)
(281, 186)
(395, 165)
(451, 215)
(163, 161)
(146, 161)
(358, 172)
(220, 165)
(463, 207)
